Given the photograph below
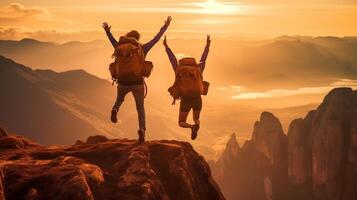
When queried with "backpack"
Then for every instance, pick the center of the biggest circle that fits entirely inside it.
(130, 64)
(188, 81)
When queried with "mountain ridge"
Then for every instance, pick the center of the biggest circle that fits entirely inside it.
(328, 58)
(21, 86)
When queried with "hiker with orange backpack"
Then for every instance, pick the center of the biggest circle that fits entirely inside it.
(130, 68)
(189, 86)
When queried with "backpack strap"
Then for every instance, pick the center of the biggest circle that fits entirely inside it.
(175, 83)
(146, 89)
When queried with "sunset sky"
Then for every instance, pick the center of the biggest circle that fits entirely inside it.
(67, 20)
(266, 55)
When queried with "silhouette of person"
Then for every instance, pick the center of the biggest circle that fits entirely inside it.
(194, 103)
(135, 87)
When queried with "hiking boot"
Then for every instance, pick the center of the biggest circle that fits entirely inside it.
(194, 131)
(141, 134)
(114, 116)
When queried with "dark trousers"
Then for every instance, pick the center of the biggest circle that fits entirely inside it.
(138, 93)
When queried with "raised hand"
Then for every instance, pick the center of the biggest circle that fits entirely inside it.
(208, 42)
(167, 21)
(165, 41)
(106, 26)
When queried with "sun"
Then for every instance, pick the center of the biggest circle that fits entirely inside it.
(214, 7)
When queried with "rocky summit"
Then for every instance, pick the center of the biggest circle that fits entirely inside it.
(102, 168)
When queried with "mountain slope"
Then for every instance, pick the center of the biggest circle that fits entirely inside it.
(52, 101)
(92, 56)
(104, 169)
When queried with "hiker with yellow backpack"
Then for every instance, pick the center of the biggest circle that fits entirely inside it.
(130, 68)
(189, 86)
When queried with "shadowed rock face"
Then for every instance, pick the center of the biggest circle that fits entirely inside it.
(105, 169)
(299, 158)
(225, 161)
(269, 138)
(322, 149)
(317, 161)
(334, 157)
(256, 171)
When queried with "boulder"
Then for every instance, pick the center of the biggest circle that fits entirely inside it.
(96, 139)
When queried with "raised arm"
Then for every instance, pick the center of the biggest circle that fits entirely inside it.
(111, 38)
(147, 46)
(205, 53)
(171, 55)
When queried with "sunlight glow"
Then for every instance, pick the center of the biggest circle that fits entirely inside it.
(214, 7)
(298, 91)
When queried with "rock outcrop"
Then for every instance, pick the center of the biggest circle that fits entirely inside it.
(269, 139)
(326, 157)
(251, 172)
(299, 158)
(317, 160)
(105, 169)
(225, 161)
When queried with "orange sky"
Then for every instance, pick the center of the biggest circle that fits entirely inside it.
(244, 84)
(80, 20)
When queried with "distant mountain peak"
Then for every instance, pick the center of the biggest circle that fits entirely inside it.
(30, 41)
(268, 136)
(78, 74)
(232, 145)
(268, 122)
(265, 116)
(338, 93)
(232, 142)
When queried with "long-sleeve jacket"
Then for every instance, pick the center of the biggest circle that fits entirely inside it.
(147, 46)
(174, 63)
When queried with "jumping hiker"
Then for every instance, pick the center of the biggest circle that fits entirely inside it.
(189, 86)
(128, 70)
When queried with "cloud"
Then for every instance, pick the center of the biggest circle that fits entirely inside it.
(207, 7)
(345, 83)
(299, 91)
(65, 35)
(253, 95)
(57, 35)
(16, 11)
